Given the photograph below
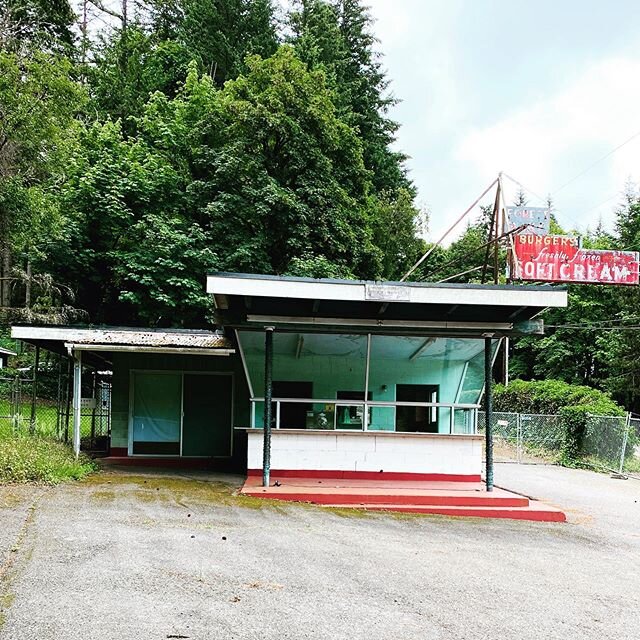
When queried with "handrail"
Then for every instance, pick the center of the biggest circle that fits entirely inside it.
(381, 403)
(367, 404)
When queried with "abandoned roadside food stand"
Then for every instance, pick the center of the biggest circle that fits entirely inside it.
(311, 377)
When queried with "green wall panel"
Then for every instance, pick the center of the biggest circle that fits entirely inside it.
(206, 429)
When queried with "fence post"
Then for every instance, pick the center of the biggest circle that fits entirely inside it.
(519, 438)
(15, 404)
(625, 437)
(77, 396)
(34, 392)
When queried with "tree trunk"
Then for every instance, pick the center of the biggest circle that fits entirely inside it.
(5, 261)
(27, 290)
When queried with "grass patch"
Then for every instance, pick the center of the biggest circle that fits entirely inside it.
(25, 458)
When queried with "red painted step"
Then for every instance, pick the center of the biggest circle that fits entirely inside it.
(542, 513)
(415, 496)
(389, 496)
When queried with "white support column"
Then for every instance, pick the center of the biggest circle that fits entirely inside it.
(77, 395)
(506, 361)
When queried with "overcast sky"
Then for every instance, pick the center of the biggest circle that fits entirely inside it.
(538, 89)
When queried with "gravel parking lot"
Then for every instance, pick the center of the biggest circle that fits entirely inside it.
(146, 556)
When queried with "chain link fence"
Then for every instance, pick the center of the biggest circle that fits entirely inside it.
(37, 401)
(613, 443)
(609, 443)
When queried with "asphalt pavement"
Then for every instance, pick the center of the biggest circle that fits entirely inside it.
(133, 555)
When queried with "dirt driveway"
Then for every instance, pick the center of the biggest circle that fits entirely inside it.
(133, 556)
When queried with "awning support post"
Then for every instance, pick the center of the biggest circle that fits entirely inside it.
(77, 395)
(34, 391)
(268, 394)
(488, 399)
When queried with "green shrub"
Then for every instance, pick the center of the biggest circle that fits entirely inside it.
(550, 396)
(574, 420)
(574, 403)
(25, 458)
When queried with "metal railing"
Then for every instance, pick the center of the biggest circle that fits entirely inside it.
(459, 418)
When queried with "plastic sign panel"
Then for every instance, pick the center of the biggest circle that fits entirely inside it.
(531, 219)
(560, 259)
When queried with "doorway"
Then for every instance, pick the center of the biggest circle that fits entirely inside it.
(293, 415)
(417, 419)
(181, 414)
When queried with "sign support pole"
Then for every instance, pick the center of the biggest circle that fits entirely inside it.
(493, 235)
(498, 231)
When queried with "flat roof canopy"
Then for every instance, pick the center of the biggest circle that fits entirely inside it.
(291, 303)
(104, 341)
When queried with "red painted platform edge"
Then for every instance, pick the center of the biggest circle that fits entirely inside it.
(359, 499)
(119, 452)
(522, 513)
(366, 475)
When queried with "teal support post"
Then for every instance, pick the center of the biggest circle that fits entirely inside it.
(488, 400)
(268, 394)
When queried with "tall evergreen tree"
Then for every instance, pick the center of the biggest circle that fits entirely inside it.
(365, 87)
(131, 66)
(44, 25)
(337, 35)
(220, 34)
(153, 55)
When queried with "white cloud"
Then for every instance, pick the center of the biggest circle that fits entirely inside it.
(548, 143)
(392, 20)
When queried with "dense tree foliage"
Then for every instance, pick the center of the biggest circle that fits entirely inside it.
(45, 24)
(187, 135)
(38, 104)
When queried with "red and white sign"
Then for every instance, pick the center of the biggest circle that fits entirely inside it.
(559, 259)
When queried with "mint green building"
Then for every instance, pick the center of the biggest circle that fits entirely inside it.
(303, 375)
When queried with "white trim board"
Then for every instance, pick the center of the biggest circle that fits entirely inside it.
(371, 322)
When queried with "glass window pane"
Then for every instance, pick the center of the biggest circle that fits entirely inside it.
(473, 379)
(320, 367)
(420, 369)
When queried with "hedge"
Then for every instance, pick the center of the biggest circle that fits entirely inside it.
(574, 403)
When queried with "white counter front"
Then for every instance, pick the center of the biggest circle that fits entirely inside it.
(459, 456)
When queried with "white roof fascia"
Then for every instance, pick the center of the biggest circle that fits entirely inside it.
(375, 322)
(198, 351)
(64, 333)
(385, 292)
